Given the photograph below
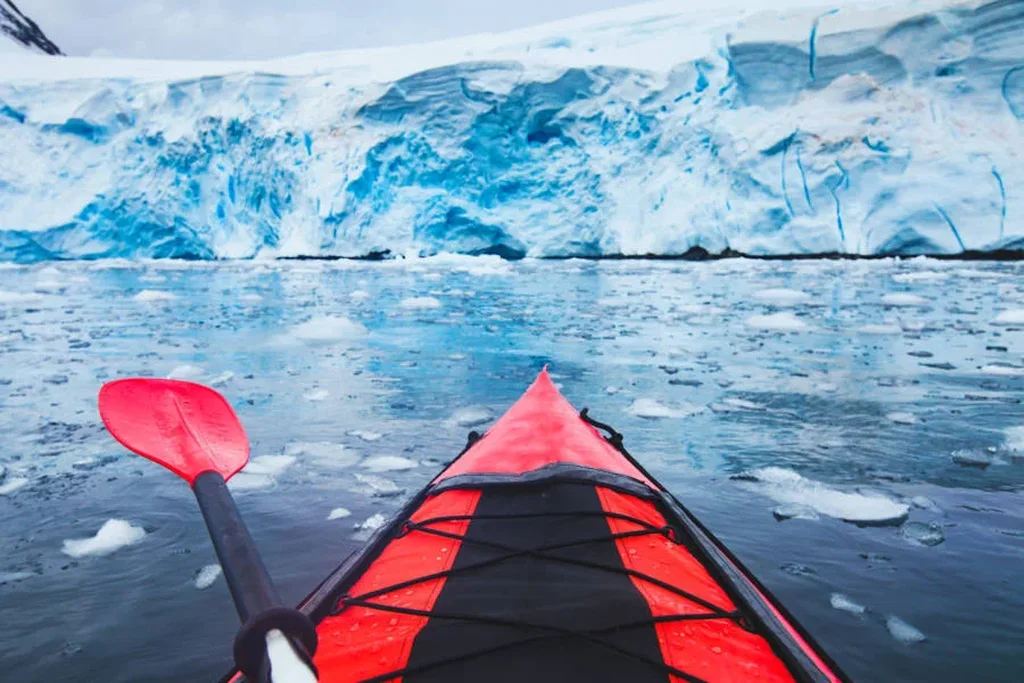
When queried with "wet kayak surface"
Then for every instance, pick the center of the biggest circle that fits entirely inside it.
(851, 429)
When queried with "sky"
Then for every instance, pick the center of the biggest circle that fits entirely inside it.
(260, 29)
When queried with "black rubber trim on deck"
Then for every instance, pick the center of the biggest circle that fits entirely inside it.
(534, 590)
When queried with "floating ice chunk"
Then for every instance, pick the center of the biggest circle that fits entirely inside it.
(924, 503)
(327, 330)
(186, 372)
(971, 458)
(372, 523)
(610, 390)
(782, 297)
(456, 356)
(339, 513)
(154, 295)
(918, 533)
(245, 481)
(17, 298)
(250, 298)
(324, 453)
(388, 463)
(269, 465)
(379, 486)
(1013, 316)
(904, 299)
(901, 418)
(733, 404)
(902, 631)
(420, 303)
(794, 511)
(13, 577)
(365, 435)
(845, 604)
(777, 322)
(359, 295)
(1003, 370)
(881, 328)
(787, 486)
(206, 576)
(316, 395)
(650, 409)
(113, 535)
(921, 276)
(13, 484)
(472, 416)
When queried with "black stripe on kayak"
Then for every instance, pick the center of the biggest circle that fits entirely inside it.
(553, 596)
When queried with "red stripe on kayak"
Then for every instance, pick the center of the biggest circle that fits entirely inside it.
(713, 650)
(541, 429)
(361, 643)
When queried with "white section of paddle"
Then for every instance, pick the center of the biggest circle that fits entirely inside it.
(286, 666)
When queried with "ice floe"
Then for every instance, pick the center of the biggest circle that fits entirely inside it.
(902, 418)
(327, 330)
(333, 455)
(339, 513)
(420, 303)
(472, 416)
(786, 486)
(113, 535)
(1010, 317)
(388, 463)
(13, 484)
(902, 631)
(371, 523)
(845, 604)
(205, 577)
(378, 486)
(777, 322)
(651, 409)
(782, 297)
(1003, 370)
(880, 328)
(904, 299)
(154, 295)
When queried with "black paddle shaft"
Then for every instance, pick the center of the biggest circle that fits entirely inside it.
(255, 597)
(246, 576)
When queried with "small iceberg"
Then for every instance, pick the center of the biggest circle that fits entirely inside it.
(112, 536)
(339, 513)
(388, 463)
(472, 417)
(650, 409)
(782, 297)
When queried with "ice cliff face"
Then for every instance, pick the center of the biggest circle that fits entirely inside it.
(23, 30)
(856, 130)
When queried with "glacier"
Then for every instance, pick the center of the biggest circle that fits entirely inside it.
(862, 129)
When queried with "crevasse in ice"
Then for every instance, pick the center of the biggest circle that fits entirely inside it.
(862, 129)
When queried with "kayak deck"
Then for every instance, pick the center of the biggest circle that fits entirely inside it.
(545, 553)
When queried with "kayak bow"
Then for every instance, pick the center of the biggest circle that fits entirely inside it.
(545, 552)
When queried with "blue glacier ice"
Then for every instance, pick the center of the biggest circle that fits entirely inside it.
(859, 129)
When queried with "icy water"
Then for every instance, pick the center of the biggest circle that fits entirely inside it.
(776, 399)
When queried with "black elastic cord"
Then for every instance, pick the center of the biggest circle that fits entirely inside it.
(542, 553)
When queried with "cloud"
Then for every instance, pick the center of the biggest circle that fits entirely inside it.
(260, 29)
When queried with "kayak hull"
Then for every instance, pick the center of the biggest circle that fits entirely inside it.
(545, 552)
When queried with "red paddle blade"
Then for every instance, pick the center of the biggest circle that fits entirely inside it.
(186, 427)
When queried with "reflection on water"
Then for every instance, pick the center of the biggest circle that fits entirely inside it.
(852, 429)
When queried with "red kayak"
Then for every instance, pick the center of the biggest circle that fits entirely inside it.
(545, 552)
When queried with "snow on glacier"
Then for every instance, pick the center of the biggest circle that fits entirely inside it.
(861, 128)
